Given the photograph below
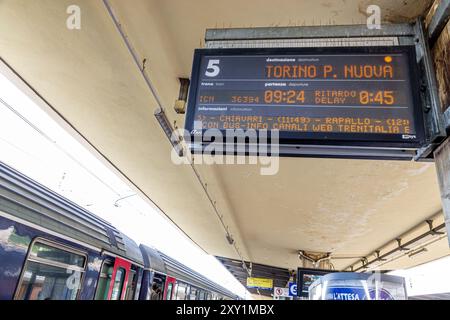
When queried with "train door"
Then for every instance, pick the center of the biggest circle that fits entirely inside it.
(168, 290)
(120, 275)
(160, 281)
(104, 281)
(132, 283)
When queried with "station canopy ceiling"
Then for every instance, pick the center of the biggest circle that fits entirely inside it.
(346, 207)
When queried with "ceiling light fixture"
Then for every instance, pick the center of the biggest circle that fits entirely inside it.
(174, 139)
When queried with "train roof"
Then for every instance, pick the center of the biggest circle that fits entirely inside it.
(28, 200)
(184, 273)
(152, 259)
(160, 262)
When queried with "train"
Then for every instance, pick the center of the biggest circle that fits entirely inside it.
(53, 249)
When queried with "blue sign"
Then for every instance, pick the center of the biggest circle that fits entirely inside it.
(292, 289)
(356, 293)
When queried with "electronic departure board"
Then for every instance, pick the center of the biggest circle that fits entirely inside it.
(350, 102)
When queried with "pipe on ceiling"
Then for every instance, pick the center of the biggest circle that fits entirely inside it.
(141, 66)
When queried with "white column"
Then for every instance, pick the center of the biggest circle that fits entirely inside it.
(442, 161)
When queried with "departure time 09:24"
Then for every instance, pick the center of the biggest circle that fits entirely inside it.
(298, 97)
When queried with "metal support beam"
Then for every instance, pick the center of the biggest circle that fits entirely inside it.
(140, 64)
(437, 232)
(447, 118)
(439, 20)
(432, 106)
(316, 32)
(442, 161)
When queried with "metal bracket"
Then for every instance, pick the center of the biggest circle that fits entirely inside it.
(423, 153)
(315, 36)
(311, 32)
(447, 118)
(401, 248)
(433, 115)
(432, 231)
(377, 252)
(430, 224)
(180, 103)
(364, 263)
(174, 139)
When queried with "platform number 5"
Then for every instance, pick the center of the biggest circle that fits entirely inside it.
(213, 68)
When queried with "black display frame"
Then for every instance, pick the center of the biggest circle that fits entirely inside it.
(363, 140)
(315, 272)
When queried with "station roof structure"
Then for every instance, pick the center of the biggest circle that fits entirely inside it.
(280, 276)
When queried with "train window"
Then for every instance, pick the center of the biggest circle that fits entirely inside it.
(138, 287)
(47, 252)
(118, 284)
(188, 292)
(105, 280)
(193, 293)
(169, 291)
(52, 272)
(131, 285)
(175, 289)
(160, 281)
(180, 293)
